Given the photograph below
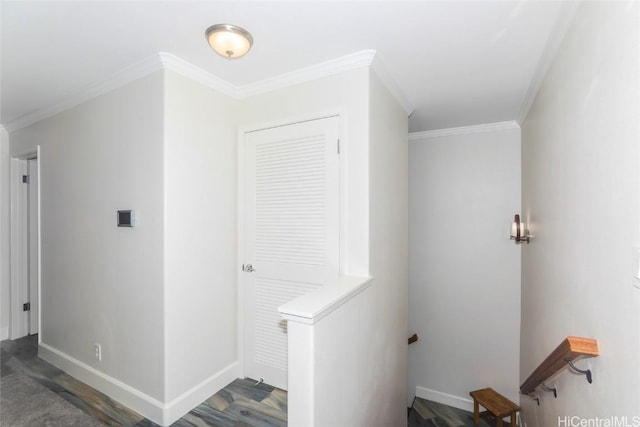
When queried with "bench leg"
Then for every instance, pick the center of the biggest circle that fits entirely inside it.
(476, 412)
(499, 422)
(513, 419)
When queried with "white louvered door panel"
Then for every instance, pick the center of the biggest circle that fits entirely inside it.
(291, 232)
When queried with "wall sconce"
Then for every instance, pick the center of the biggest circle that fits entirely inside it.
(519, 232)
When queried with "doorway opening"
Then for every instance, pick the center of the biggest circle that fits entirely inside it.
(25, 246)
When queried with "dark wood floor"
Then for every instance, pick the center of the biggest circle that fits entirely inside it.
(240, 404)
(425, 413)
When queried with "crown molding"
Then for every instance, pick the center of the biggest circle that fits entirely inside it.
(180, 66)
(463, 130)
(127, 75)
(168, 61)
(363, 58)
(345, 63)
(381, 71)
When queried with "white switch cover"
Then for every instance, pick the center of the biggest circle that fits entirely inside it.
(636, 266)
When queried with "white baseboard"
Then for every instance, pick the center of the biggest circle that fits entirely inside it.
(188, 400)
(4, 333)
(444, 398)
(130, 397)
(158, 412)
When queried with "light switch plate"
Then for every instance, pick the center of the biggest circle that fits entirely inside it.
(126, 218)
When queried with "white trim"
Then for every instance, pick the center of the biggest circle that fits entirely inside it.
(165, 267)
(5, 229)
(445, 398)
(463, 130)
(170, 62)
(383, 74)
(319, 303)
(343, 195)
(127, 75)
(148, 406)
(39, 244)
(240, 247)
(363, 58)
(563, 22)
(18, 254)
(25, 154)
(33, 236)
(191, 398)
(180, 66)
(292, 120)
(116, 389)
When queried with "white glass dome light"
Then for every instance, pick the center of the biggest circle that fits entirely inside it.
(228, 40)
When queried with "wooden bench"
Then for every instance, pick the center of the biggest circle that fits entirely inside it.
(495, 403)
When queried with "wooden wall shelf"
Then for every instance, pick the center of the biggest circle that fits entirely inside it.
(571, 348)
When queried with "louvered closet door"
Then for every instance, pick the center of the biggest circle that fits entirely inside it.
(291, 233)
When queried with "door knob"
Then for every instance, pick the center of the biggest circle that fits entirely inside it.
(248, 268)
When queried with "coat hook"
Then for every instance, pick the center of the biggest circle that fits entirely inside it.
(536, 398)
(586, 372)
(554, 390)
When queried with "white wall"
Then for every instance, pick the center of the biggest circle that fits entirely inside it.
(386, 350)
(200, 238)
(345, 94)
(464, 272)
(101, 283)
(365, 361)
(346, 377)
(581, 191)
(5, 216)
(161, 298)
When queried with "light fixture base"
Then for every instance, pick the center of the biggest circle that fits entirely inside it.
(519, 233)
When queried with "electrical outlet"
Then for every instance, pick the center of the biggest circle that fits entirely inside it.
(97, 352)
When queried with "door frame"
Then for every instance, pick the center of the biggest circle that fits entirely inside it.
(341, 113)
(33, 221)
(18, 254)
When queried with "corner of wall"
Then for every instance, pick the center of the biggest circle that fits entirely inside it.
(200, 309)
(388, 244)
(464, 264)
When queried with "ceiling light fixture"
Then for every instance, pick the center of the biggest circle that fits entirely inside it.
(229, 40)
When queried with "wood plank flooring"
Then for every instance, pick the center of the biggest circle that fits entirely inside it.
(425, 413)
(240, 404)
